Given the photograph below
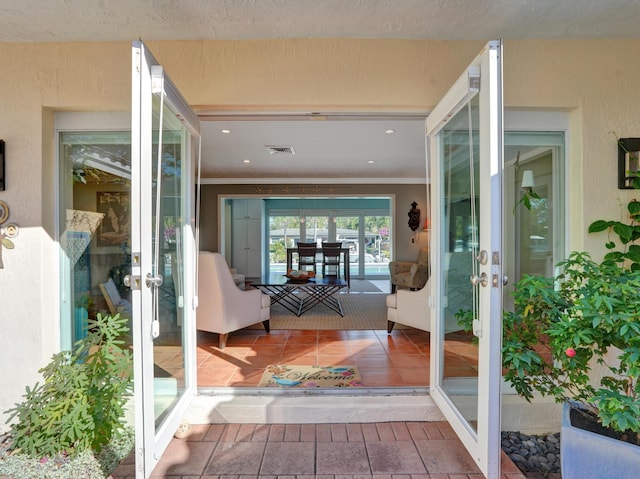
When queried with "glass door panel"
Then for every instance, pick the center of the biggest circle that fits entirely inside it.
(461, 189)
(284, 232)
(376, 246)
(316, 229)
(348, 232)
(465, 147)
(168, 213)
(536, 228)
(164, 146)
(94, 226)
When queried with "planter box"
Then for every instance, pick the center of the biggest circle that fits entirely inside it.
(586, 455)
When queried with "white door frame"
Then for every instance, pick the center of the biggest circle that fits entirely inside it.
(148, 79)
(484, 78)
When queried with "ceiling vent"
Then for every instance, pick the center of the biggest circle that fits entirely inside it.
(280, 150)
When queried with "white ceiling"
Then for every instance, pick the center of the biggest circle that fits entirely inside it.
(331, 150)
(323, 149)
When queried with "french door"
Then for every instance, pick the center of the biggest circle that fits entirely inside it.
(465, 149)
(165, 137)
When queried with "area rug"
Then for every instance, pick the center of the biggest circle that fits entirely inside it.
(363, 286)
(362, 311)
(287, 376)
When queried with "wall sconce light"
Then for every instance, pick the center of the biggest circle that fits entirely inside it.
(2, 171)
(414, 217)
(527, 180)
(628, 162)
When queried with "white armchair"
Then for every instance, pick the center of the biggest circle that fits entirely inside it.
(222, 306)
(411, 308)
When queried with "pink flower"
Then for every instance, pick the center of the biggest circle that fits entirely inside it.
(570, 352)
(44, 460)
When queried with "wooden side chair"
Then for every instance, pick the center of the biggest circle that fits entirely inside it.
(331, 259)
(307, 256)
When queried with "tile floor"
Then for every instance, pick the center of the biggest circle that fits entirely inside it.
(397, 450)
(396, 360)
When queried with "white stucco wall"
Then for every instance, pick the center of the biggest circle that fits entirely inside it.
(595, 80)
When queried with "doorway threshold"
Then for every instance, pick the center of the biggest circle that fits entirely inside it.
(271, 406)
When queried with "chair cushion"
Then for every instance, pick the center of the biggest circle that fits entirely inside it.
(392, 301)
(112, 291)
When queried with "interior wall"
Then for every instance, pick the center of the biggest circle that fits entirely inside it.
(405, 242)
(594, 80)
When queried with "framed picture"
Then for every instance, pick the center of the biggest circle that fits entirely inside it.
(115, 227)
(628, 162)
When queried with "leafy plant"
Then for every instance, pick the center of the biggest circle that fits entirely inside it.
(80, 404)
(627, 233)
(560, 325)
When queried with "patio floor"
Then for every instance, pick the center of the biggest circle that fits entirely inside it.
(390, 450)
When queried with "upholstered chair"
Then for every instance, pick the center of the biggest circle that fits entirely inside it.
(405, 274)
(222, 306)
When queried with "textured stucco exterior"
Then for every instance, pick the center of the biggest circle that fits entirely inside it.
(596, 81)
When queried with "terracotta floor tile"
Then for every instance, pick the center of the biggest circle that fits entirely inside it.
(262, 361)
(335, 360)
(293, 359)
(401, 360)
(381, 377)
(246, 377)
(218, 376)
(372, 361)
(414, 376)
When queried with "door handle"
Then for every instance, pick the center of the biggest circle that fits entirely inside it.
(481, 280)
(152, 280)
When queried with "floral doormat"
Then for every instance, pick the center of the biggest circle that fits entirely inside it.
(287, 376)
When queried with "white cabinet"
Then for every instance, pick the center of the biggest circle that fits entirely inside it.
(246, 236)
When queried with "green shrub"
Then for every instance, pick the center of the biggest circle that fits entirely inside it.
(80, 404)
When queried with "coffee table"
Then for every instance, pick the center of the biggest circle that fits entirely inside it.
(287, 293)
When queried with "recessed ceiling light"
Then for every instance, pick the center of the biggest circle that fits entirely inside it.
(226, 132)
(246, 161)
(389, 131)
(371, 162)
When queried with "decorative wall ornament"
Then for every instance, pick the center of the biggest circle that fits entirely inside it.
(414, 217)
(8, 232)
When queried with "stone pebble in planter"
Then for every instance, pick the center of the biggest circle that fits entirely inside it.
(533, 453)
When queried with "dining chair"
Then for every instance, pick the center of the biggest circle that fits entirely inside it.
(307, 256)
(331, 259)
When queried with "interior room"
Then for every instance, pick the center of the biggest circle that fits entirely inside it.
(253, 223)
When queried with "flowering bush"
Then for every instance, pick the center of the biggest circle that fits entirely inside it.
(561, 325)
(589, 312)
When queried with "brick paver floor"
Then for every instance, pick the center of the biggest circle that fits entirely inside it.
(390, 450)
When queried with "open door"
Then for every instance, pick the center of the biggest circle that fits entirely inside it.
(165, 136)
(465, 149)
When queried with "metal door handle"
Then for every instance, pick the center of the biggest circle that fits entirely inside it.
(482, 279)
(154, 280)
